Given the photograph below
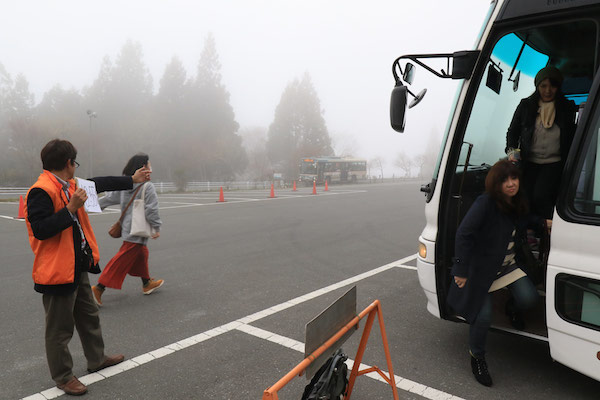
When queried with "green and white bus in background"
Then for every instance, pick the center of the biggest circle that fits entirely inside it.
(518, 38)
(332, 170)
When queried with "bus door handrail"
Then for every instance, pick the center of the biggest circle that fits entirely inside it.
(462, 182)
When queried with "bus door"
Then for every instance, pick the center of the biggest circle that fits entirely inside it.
(321, 166)
(511, 59)
(344, 167)
(573, 274)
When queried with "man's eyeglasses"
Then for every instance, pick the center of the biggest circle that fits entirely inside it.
(76, 164)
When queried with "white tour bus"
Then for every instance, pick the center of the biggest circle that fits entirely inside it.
(518, 38)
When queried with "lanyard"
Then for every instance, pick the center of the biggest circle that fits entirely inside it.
(83, 241)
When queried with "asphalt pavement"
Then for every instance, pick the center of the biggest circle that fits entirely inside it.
(242, 278)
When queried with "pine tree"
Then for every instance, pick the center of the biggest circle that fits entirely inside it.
(173, 84)
(5, 89)
(97, 94)
(60, 113)
(25, 138)
(121, 98)
(171, 127)
(218, 149)
(298, 129)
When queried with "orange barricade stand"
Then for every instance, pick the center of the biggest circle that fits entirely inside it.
(375, 308)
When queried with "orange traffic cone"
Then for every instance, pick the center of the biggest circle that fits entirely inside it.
(221, 197)
(272, 196)
(314, 187)
(294, 189)
(326, 186)
(21, 208)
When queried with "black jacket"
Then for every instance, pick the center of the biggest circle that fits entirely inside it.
(520, 131)
(45, 223)
(481, 243)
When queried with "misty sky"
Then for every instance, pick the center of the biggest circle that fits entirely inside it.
(346, 46)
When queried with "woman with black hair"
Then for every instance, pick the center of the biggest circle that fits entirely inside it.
(542, 130)
(484, 259)
(132, 257)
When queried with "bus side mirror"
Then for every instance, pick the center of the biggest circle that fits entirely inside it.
(409, 73)
(463, 63)
(398, 107)
(417, 99)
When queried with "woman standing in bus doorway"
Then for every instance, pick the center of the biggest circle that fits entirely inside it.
(485, 259)
(542, 130)
(132, 257)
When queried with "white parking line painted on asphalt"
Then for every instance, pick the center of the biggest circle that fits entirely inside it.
(242, 325)
(401, 383)
(407, 266)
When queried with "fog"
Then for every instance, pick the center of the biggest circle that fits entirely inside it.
(345, 47)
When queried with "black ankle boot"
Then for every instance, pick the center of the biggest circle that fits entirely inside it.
(480, 371)
(514, 316)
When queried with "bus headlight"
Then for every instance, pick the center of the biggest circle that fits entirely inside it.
(422, 250)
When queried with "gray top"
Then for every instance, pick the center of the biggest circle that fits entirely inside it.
(151, 207)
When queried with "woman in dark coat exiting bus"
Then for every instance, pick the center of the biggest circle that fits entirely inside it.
(485, 259)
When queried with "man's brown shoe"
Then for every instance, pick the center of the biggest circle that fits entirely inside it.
(73, 387)
(109, 362)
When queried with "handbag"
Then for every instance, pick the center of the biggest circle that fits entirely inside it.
(331, 380)
(139, 224)
(535, 266)
(116, 228)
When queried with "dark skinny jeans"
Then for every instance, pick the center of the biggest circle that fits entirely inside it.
(541, 183)
(525, 297)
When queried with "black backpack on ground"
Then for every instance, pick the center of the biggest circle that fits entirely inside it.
(330, 381)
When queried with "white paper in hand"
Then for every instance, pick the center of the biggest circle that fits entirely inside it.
(91, 204)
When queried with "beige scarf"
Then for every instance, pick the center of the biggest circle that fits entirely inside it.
(547, 112)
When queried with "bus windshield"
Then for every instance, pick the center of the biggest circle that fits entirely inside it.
(308, 167)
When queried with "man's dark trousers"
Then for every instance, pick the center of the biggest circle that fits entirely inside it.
(63, 314)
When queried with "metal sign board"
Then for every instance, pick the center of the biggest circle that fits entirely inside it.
(327, 324)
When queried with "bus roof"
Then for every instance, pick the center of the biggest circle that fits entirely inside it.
(520, 8)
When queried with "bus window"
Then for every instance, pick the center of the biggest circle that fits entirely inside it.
(492, 112)
(578, 300)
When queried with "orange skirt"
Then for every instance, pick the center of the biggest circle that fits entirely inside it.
(131, 259)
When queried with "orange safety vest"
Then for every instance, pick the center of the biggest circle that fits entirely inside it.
(54, 262)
